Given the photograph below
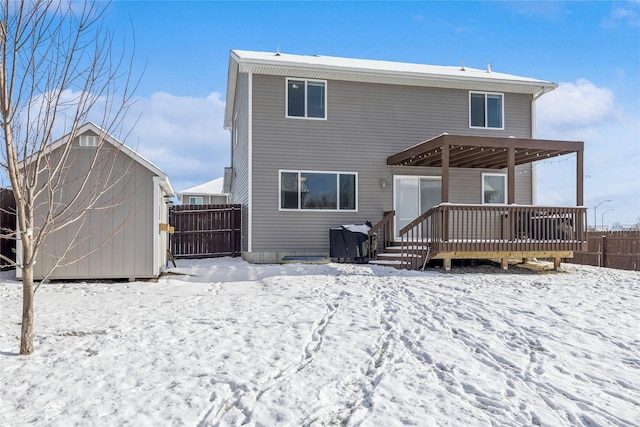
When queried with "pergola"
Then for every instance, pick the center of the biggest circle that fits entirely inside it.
(457, 151)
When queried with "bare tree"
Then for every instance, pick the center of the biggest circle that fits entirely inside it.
(58, 69)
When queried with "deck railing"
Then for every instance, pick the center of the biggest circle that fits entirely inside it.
(381, 235)
(492, 229)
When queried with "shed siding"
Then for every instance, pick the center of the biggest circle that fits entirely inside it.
(365, 124)
(114, 239)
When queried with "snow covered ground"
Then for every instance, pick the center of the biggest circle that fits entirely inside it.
(229, 343)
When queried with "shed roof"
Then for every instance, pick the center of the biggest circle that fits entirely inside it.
(90, 126)
(374, 71)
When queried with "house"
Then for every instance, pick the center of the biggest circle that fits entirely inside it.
(437, 155)
(117, 217)
(208, 193)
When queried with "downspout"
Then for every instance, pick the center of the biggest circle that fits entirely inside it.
(534, 169)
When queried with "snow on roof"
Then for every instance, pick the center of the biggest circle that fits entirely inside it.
(332, 62)
(208, 188)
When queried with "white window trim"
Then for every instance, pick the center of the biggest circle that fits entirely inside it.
(201, 198)
(286, 99)
(506, 189)
(486, 110)
(337, 173)
(88, 141)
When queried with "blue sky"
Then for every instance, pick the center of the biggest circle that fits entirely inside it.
(592, 49)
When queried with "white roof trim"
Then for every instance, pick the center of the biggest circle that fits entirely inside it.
(165, 183)
(373, 71)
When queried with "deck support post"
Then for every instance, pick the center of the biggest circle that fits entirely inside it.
(579, 178)
(556, 263)
(445, 173)
(504, 263)
(511, 175)
(446, 263)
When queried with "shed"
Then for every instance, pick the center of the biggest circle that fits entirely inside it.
(120, 224)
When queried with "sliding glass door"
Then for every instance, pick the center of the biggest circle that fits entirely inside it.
(414, 195)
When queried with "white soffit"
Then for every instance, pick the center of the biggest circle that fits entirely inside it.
(383, 72)
(442, 81)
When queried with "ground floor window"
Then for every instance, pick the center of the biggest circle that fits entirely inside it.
(494, 188)
(310, 190)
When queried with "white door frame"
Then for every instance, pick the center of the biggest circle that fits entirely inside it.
(395, 189)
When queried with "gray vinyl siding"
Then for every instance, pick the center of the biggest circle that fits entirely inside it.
(365, 124)
(524, 184)
(115, 238)
(240, 155)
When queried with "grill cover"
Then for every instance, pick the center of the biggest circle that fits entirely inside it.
(347, 244)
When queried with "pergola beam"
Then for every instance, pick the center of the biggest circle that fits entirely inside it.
(459, 151)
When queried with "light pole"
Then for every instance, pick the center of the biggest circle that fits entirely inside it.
(595, 218)
(602, 218)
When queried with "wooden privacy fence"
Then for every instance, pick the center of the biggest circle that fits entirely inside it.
(206, 231)
(7, 226)
(612, 249)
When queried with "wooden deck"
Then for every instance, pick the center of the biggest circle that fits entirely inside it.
(455, 231)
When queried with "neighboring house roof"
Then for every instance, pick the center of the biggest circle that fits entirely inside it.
(89, 126)
(209, 188)
(373, 71)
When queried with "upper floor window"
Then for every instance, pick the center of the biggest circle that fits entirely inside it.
(306, 98)
(494, 188)
(485, 110)
(195, 200)
(300, 190)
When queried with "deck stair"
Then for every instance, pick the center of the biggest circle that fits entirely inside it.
(392, 256)
(458, 231)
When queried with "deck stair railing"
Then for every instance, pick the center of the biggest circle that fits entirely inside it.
(490, 229)
(381, 235)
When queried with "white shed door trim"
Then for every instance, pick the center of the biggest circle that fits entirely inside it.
(156, 226)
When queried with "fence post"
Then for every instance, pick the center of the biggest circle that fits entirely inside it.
(604, 250)
(233, 232)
